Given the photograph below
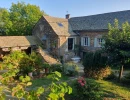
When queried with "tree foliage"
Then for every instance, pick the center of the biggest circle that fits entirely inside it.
(117, 43)
(20, 19)
(5, 22)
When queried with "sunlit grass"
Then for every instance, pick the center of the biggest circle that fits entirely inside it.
(111, 90)
(114, 91)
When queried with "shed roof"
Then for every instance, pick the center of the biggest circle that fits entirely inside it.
(13, 41)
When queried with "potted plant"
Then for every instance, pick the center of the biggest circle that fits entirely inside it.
(30, 70)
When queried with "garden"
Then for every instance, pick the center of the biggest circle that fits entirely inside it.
(57, 81)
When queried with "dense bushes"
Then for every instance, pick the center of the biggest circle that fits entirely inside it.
(18, 62)
(29, 63)
(56, 67)
(86, 89)
(98, 73)
(95, 65)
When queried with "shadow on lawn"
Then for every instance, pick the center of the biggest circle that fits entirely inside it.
(112, 96)
(109, 90)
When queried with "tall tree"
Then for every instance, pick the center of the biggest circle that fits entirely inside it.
(23, 17)
(117, 44)
(5, 23)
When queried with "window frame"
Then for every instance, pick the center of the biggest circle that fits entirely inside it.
(99, 42)
(85, 41)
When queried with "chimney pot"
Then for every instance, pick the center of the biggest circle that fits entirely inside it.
(67, 16)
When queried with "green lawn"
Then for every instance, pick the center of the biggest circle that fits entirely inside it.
(114, 91)
(111, 90)
(45, 81)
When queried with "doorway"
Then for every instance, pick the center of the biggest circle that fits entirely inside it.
(70, 43)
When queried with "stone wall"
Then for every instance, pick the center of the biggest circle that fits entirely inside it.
(92, 36)
(44, 33)
(63, 47)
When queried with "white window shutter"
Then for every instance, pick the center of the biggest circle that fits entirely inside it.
(82, 41)
(88, 41)
(103, 41)
(95, 42)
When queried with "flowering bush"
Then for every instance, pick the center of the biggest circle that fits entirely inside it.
(86, 89)
(81, 81)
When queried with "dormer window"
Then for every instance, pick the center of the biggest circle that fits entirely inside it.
(60, 24)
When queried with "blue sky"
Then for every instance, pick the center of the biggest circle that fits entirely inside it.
(59, 8)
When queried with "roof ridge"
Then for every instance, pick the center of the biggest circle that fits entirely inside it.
(101, 14)
(54, 17)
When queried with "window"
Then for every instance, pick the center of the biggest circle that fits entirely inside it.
(85, 41)
(98, 42)
(60, 24)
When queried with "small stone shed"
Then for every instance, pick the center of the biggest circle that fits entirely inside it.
(12, 43)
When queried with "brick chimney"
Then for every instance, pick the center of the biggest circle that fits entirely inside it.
(67, 16)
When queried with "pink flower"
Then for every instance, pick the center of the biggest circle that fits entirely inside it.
(81, 81)
(82, 84)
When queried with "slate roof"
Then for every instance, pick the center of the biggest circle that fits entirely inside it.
(14, 41)
(63, 29)
(98, 22)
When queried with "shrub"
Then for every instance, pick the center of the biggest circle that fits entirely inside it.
(98, 73)
(70, 69)
(112, 76)
(29, 63)
(56, 67)
(54, 91)
(86, 89)
(95, 65)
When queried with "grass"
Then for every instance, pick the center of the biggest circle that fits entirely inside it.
(45, 81)
(114, 91)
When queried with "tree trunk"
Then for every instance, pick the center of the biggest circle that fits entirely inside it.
(120, 73)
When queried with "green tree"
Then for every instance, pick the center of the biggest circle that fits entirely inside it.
(117, 44)
(24, 17)
(5, 22)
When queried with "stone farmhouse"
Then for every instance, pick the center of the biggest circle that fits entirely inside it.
(60, 35)
(64, 36)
